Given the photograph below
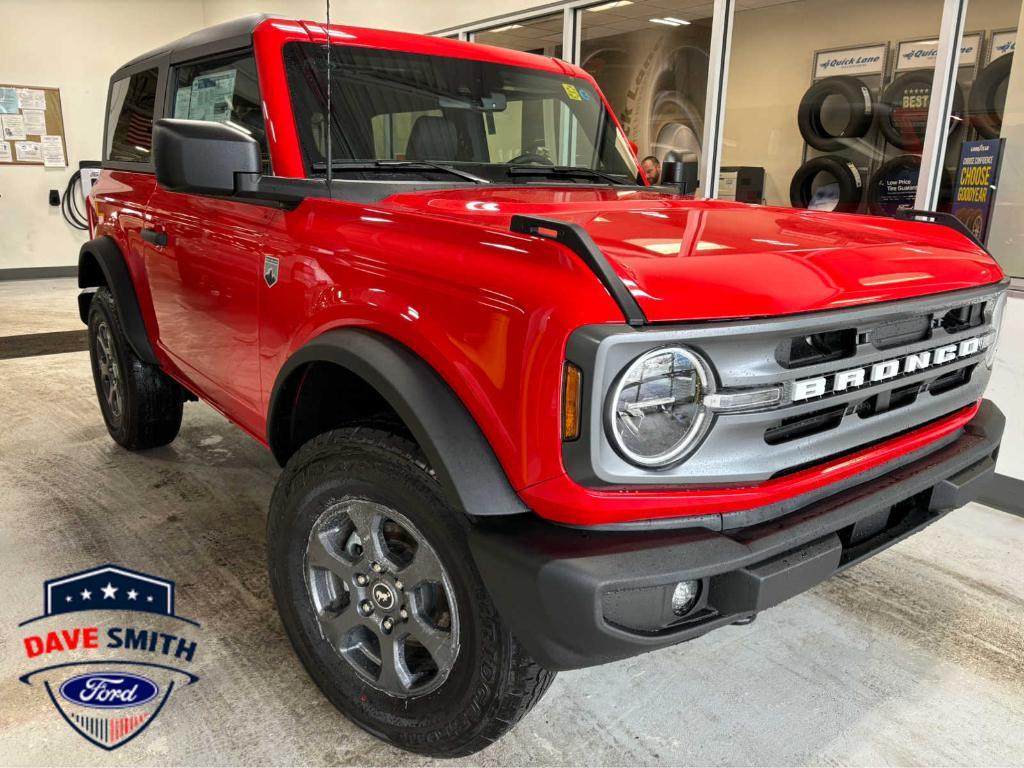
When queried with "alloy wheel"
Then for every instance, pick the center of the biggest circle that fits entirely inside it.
(110, 372)
(382, 598)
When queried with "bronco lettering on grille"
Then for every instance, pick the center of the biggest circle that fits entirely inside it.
(885, 369)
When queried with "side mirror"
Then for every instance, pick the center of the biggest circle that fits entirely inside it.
(201, 157)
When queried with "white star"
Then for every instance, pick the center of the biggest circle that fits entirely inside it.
(67, 599)
(86, 594)
(109, 591)
(149, 599)
(132, 594)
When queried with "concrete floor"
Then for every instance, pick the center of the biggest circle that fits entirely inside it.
(913, 658)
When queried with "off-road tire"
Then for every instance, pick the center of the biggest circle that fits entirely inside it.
(150, 401)
(493, 682)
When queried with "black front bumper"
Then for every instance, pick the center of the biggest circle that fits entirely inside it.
(575, 598)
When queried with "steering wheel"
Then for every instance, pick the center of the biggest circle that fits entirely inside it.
(530, 158)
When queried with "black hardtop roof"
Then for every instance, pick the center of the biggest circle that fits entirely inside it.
(222, 35)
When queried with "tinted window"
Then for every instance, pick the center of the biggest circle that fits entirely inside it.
(130, 118)
(405, 106)
(222, 90)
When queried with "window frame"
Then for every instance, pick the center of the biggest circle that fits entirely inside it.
(199, 60)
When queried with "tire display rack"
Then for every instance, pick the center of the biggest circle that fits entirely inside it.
(902, 116)
(845, 155)
(875, 157)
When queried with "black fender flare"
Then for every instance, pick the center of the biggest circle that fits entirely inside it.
(470, 475)
(112, 271)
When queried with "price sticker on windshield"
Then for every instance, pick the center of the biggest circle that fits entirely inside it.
(571, 92)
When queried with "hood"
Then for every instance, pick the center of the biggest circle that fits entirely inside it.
(687, 259)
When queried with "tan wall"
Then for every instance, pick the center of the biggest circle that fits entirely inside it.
(772, 54)
(75, 46)
(89, 39)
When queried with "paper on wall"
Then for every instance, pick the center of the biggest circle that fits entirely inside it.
(28, 151)
(8, 101)
(5, 153)
(31, 98)
(53, 152)
(14, 127)
(35, 121)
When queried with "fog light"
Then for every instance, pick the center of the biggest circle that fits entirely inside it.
(684, 596)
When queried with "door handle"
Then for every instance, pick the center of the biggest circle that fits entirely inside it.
(158, 239)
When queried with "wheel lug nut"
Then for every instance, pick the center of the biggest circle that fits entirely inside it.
(366, 608)
(398, 584)
(388, 624)
(361, 580)
(376, 567)
(404, 614)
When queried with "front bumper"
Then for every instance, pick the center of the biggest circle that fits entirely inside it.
(577, 598)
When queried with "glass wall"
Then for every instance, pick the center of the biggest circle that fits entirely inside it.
(542, 34)
(993, 135)
(650, 58)
(826, 102)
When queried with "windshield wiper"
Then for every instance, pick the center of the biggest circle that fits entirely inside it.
(564, 170)
(412, 165)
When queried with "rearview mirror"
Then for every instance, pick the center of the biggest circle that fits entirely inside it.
(201, 157)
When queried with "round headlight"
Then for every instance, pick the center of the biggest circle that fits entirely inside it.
(656, 410)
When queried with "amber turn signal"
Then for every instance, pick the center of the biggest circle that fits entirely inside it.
(572, 385)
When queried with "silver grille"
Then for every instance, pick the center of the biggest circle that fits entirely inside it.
(761, 444)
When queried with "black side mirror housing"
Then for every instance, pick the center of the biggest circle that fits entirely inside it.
(202, 158)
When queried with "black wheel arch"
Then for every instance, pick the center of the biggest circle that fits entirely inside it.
(101, 263)
(469, 473)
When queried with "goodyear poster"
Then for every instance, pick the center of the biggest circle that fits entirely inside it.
(976, 181)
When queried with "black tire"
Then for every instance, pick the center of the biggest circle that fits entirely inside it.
(809, 116)
(146, 410)
(492, 682)
(903, 124)
(984, 105)
(846, 174)
(883, 201)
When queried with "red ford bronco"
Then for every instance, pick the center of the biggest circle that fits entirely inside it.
(533, 413)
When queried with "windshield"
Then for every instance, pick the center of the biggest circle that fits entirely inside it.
(395, 111)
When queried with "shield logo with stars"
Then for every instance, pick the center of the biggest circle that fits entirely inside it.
(109, 681)
(108, 587)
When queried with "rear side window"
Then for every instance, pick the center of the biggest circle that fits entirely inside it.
(130, 118)
(222, 90)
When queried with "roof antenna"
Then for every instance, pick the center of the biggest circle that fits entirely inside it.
(327, 117)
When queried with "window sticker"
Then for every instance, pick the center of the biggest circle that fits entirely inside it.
(584, 94)
(571, 92)
(182, 100)
(212, 95)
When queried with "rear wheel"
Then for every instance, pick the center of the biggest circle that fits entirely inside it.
(141, 405)
(377, 590)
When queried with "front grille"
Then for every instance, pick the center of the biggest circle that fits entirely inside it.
(816, 359)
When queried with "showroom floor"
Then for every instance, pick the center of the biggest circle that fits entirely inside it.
(913, 658)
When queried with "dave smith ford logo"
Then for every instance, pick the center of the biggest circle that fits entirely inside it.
(109, 685)
(853, 378)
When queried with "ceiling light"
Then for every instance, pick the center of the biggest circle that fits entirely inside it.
(609, 6)
(506, 28)
(674, 20)
(666, 22)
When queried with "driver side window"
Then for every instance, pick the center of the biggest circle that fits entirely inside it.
(223, 89)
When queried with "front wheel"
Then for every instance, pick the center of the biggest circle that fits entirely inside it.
(377, 590)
